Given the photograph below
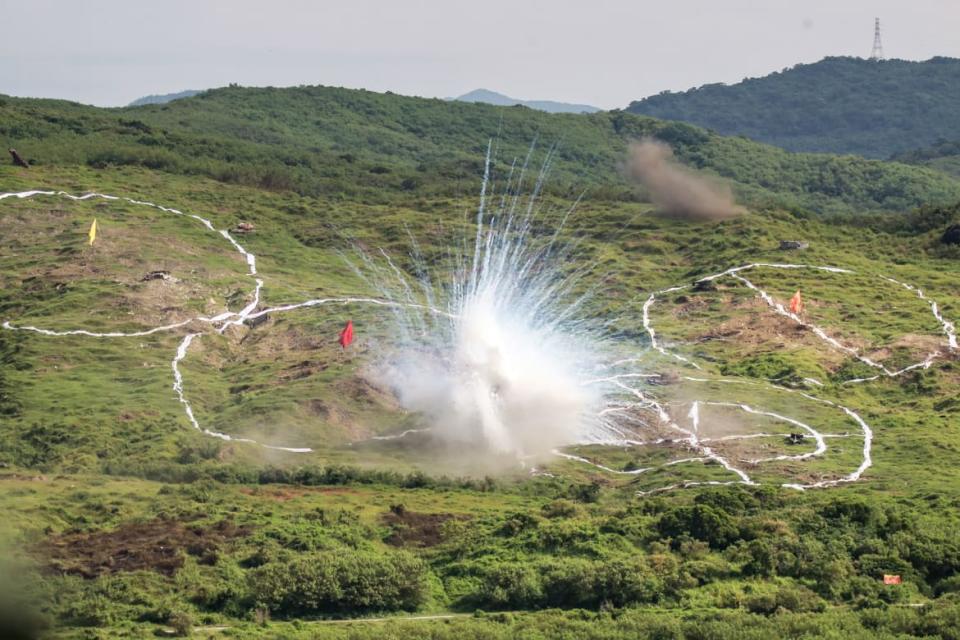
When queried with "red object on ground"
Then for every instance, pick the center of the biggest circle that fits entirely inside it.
(890, 579)
(346, 336)
(796, 303)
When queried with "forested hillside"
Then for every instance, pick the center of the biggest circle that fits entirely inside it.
(837, 105)
(944, 155)
(383, 147)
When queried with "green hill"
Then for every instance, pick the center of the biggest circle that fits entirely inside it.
(382, 147)
(944, 156)
(123, 519)
(837, 105)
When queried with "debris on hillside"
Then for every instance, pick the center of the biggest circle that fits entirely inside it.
(244, 227)
(951, 235)
(158, 275)
(665, 378)
(256, 320)
(704, 285)
(793, 245)
(17, 160)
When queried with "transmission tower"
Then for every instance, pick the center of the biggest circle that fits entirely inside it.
(877, 53)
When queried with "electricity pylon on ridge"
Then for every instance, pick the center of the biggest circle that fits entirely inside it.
(877, 53)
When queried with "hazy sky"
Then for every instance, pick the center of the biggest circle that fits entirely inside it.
(600, 52)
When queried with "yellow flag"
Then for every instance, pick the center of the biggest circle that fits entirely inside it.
(93, 231)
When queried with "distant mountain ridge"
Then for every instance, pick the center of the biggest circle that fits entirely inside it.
(837, 105)
(164, 97)
(550, 106)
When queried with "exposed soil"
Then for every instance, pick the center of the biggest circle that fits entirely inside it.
(300, 370)
(739, 451)
(760, 327)
(157, 545)
(285, 493)
(413, 529)
(916, 344)
(116, 260)
(366, 393)
(278, 494)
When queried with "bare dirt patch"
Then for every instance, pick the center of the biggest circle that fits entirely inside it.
(283, 494)
(278, 494)
(300, 370)
(413, 529)
(156, 545)
(741, 451)
(917, 345)
(759, 327)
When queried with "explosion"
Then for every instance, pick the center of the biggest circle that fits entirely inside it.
(504, 366)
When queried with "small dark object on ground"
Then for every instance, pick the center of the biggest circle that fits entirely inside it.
(157, 275)
(795, 438)
(255, 322)
(17, 160)
(704, 285)
(787, 245)
(667, 377)
(951, 235)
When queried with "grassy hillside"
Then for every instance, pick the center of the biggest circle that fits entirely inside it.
(386, 148)
(837, 105)
(123, 520)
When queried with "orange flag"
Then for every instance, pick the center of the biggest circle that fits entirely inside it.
(346, 336)
(891, 579)
(796, 303)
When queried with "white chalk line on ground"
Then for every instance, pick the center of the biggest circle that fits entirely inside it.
(225, 320)
(249, 312)
(947, 327)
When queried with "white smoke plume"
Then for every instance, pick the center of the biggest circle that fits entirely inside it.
(498, 361)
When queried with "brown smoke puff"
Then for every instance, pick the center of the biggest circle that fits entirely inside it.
(676, 190)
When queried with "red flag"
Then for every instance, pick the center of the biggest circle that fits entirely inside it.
(796, 303)
(891, 579)
(346, 336)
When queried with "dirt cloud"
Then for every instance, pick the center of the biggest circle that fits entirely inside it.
(678, 191)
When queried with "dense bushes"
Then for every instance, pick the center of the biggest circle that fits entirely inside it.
(702, 522)
(570, 583)
(340, 583)
(189, 470)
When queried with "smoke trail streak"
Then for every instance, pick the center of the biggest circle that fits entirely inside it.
(677, 190)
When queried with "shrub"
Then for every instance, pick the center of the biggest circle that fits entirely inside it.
(333, 582)
(511, 585)
(702, 522)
